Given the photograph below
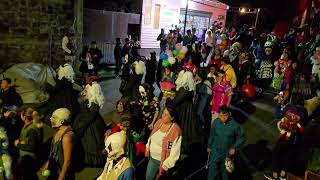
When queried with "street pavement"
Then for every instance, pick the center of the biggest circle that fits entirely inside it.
(259, 127)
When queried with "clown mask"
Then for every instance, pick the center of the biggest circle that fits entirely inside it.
(142, 91)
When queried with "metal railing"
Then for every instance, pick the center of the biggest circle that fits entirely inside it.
(106, 50)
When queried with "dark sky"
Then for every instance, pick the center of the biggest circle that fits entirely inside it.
(280, 9)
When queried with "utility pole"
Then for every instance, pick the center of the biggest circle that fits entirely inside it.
(185, 19)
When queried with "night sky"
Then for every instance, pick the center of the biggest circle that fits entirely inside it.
(279, 9)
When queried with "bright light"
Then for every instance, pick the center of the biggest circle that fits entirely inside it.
(228, 7)
(243, 10)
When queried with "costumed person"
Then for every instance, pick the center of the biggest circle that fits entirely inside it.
(148, 109)
(183, 101)
(234, 52)
(150, 77)
(118, 166)
(86, 66)
(164, 144)
(62, 153)
(222, 93)
(229, 71)
(8, 95)
(69, 47)
(96, 56)
(137, 71)
(63, 94)
(31, 138)
(280, 68)
(225, 139)
(288, 145)
(5, 158)
(265, 69)
(315, 79)
(89, 125)
(290, 76)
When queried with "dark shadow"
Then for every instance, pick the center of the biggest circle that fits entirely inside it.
(258, 154)
(238, 116)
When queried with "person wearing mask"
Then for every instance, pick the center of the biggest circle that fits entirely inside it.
(8, 94)
(96, 56)
(118, 55)
(163, 41)
(29, 142)
(225, 139)
(60, 163)
(118, 165)
(164, 144)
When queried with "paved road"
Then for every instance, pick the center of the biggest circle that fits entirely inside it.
(259, 126)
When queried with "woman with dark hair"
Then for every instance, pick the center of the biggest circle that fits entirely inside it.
(164, 144)
(86, 66)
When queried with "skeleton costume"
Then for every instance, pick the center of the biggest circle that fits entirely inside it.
(89, 125)
(117, 167)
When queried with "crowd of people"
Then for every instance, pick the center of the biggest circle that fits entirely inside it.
(167, 106)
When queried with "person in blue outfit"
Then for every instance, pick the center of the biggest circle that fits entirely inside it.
(226, 137)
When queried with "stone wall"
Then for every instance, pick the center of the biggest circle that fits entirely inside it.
(31, 30)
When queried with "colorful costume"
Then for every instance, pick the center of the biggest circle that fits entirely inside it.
(221, 95)
(280, 67)
(5, 161)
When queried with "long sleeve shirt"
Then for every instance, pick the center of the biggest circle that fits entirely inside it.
(224, 136)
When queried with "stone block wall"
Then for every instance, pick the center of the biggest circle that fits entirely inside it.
(32, 30)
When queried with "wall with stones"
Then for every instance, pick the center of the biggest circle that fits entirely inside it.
(31, 30)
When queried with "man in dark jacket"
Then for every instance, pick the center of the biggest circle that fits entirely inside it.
(8, 95)
(96, 55)
(118, 55)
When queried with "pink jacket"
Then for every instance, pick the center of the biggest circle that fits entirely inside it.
(173, 134)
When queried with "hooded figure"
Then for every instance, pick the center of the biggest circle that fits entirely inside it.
(63, 94)
(183, 103)
(90, 126)
(117, 166)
